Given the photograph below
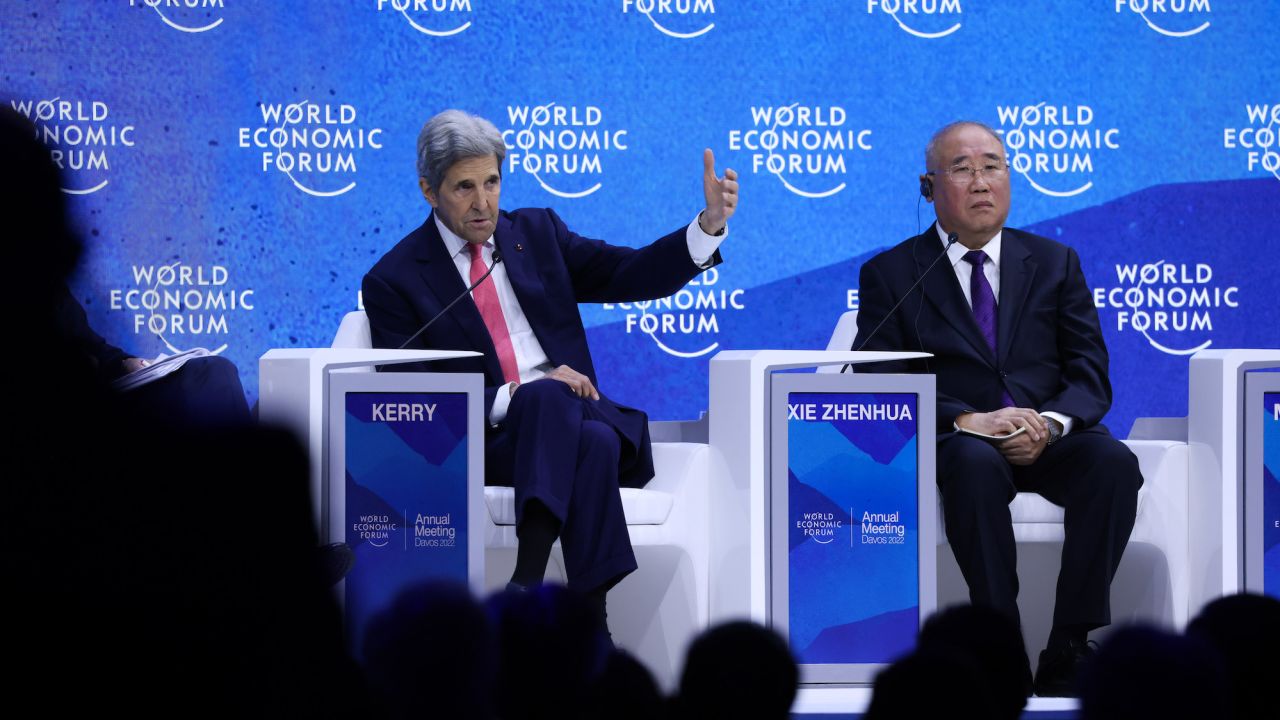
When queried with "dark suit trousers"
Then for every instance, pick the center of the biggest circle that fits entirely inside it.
(1089, 473)
(204, 392)
(566, 452)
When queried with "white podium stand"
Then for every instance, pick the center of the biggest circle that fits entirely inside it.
(742, 414)
(293, 393)
(1215, 433)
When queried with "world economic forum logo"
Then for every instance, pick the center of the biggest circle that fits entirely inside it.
(686, 324)
(1259, 140)
(562, 146)
(680, 19)
(375, 529)
(183, 305)
(928, 19)
(806, 148)
(316, 145)
(1172, 18)
(819, 526)
(188, 16)
(437, 18)
(1055, 147)
(82, 136)
(1172, 305)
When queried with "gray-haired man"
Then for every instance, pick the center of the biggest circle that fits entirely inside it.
(553, 436)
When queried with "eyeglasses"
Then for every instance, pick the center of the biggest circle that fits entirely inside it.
(963, 174)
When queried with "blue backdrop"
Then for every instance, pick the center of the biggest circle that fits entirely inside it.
(236, 166)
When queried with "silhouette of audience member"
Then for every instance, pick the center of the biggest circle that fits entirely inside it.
(1141, 672)
(43, 253)
(1245, 629)
(626, 690)
(153, 571)
(552, 648)
(432, 654)
(935, 682)
(42, 250)
(995, 644)
(737, 670)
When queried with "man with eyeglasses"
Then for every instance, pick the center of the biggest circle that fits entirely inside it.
(1017, 348)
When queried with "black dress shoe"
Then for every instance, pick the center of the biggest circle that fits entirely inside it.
(1056, 674)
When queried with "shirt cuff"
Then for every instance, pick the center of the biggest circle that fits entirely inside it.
(501, 400)
(701, 245)
(1064, 420)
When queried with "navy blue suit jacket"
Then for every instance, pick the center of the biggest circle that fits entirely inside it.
(1050, 352)
(106, 359)
(551, 269)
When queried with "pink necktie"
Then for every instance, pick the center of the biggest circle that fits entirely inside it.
(486, 298)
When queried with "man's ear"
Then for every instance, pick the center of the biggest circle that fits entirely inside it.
(427, 192)
(926, 187)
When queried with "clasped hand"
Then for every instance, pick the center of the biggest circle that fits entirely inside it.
(1021, 450)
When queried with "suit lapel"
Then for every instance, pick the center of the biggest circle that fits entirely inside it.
(522, 272)
(442, 280)
(1017, 272)
(943, 290)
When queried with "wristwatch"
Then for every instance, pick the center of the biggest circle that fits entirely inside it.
(1055, 429)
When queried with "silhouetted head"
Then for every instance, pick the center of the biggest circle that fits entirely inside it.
(739, 669)
(553, 649)
(994, 642)
(937, 682)
(1245, 629)
(432, 652)
(1141, 672)
(41, 251)
(626, 691)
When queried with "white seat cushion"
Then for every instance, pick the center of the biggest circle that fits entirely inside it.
(1031, 508)
(675, 465)
(641, 507)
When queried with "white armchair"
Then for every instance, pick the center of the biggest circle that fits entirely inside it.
(1153, 581)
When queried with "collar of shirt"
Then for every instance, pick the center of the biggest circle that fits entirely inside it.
(456, 245)
(964, 271)
(957, 251)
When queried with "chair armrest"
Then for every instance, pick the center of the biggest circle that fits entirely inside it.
(680, 431)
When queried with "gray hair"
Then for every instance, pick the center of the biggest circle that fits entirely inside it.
(454, 135)
(932, 147)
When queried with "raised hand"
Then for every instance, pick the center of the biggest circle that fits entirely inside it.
(721, 195)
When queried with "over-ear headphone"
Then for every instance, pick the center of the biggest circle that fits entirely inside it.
(926, 187)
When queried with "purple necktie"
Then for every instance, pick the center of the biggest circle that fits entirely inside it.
(984, 306)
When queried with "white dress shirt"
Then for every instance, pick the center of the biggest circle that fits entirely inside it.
(531, 359)
(991, 268)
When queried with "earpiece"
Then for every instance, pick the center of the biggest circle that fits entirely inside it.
(926, 187)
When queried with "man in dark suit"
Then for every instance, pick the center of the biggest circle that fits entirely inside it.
(240, 618)
(1016, 347)
(205, 392)
(562, 444)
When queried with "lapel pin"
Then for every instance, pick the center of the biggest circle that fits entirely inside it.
(519, 247)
